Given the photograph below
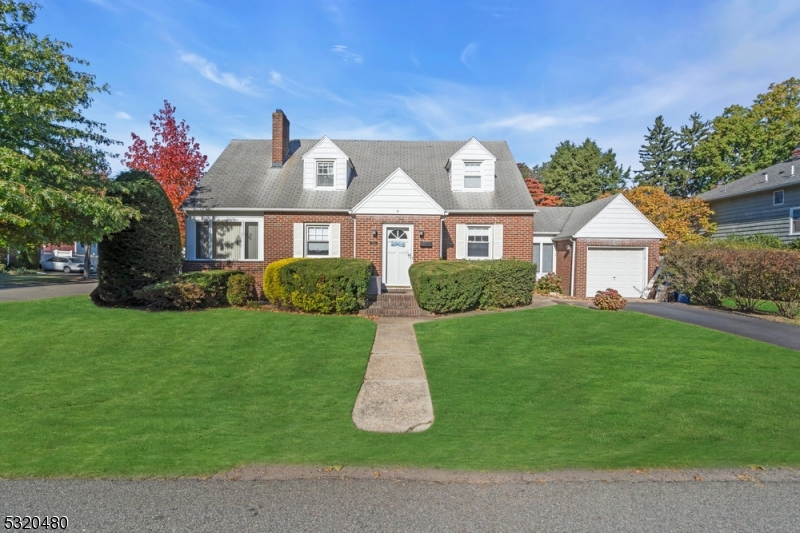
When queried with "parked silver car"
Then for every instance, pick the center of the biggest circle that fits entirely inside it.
(64, 264)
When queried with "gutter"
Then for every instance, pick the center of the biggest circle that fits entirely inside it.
(492, 211)
(267, 210)
(572, 276)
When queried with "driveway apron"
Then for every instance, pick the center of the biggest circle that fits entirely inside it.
(777, 333)
(394, 397)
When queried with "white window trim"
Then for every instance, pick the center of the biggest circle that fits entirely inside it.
(479, 175)
(490, 227)
(538, 260)
(317, 174)
(791, 221)
(783, 197)
(191, 245)
(306, 241)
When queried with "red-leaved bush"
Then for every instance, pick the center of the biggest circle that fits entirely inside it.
(609, 300)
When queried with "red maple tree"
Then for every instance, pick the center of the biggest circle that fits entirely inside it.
(173, 158)
(536, 189)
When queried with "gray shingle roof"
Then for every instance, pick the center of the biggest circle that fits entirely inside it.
(778, 176)
(567, 221)
(243, 177)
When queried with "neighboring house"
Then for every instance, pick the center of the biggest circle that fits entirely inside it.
(603, 244)
(766, 202)
(391, 202)
(67, 250)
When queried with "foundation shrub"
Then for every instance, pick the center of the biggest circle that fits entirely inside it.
(783, 282)
(446, 286)
(188, 291)
(548, 283)
(326, 285)
(274, 290)
(506, 283)
(241, 290)
(609, 300)
(697, 270)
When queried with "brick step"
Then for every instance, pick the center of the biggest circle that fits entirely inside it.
(394, 304)
(397, 312)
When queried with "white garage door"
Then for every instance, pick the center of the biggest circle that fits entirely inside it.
(622, 269)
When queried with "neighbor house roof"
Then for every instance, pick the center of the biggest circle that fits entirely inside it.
(243, 177)
(774, 177)
(567, 221)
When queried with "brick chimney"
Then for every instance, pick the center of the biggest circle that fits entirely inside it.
(796, 153)
(280, 138)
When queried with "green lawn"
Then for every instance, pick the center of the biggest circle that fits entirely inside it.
(90, 391)
(764, 307)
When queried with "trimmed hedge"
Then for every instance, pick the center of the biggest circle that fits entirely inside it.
(273, 289)
(457, 286)
(241, 290)
(713, 272)
(148, 251)
(192, 290)
(324, 285)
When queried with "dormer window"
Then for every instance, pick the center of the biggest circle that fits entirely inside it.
(325, 173)
(472, 175)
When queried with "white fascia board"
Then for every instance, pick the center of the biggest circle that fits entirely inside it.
(473, 141)
(324, 141)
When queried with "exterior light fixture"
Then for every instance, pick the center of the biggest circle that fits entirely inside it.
(374, 233)
(421, 233)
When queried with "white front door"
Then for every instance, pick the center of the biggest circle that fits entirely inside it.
(398, 253)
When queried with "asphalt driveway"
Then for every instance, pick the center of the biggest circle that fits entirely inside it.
(777, 333)
(40, 292)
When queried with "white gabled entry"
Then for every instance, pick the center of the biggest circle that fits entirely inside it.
(623, 269)
(398, 254)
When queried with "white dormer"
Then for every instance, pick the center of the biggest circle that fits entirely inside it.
(326, 167)
(471, 169)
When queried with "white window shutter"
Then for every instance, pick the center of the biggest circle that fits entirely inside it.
(335, 239)
(298, 239)
(497, 241)
(461, 241)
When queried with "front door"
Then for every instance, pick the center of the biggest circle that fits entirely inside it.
(399, 255)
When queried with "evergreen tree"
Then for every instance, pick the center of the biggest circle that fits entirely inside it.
(657, 157)
(581, 173)
(687, 182)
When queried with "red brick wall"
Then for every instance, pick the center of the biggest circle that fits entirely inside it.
(517, 234)
(564, 264)
(654, 251)
(279, 233)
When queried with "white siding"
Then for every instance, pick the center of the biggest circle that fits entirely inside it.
(325, 150)
(472, 151)
(398, 195)
(619, 220)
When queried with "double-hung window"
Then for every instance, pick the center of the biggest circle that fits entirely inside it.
(472, 175)
(325, 173)
(543, 257)
(318, 242)
(794, 220)
(777, 198)
(231, 240)
(478, 242)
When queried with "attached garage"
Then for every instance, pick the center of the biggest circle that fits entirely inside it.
(604, 244)
(623, 269)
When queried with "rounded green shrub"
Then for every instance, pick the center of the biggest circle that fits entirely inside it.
(148, 251)
(326, 285)
(447, 286)
(272, 287)
(241, 289)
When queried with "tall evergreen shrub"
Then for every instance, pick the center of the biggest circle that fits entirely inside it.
(146, 252)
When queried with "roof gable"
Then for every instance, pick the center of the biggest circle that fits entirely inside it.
(398, 194)
(325, 149)
(473, 149)
(619, 219)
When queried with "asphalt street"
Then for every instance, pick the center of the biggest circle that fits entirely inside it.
(383, 505)
(777, 333)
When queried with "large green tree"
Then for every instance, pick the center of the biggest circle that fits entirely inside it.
(581, 173)
(658, 157)
(687, 182)
(744, 140)
(53, 185)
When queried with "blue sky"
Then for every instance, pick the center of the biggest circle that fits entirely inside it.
(531, 73)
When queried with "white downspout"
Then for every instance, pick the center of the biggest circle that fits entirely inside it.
(354, 236)
(572, 276)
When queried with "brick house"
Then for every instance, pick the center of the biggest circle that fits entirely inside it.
(602, 244)
(391, 202)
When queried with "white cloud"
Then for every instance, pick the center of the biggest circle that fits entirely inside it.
(536, 122)
(122, 115)
(210, 71)
(346, 55)
(276, 79)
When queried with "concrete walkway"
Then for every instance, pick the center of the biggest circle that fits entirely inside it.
(394, 397)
